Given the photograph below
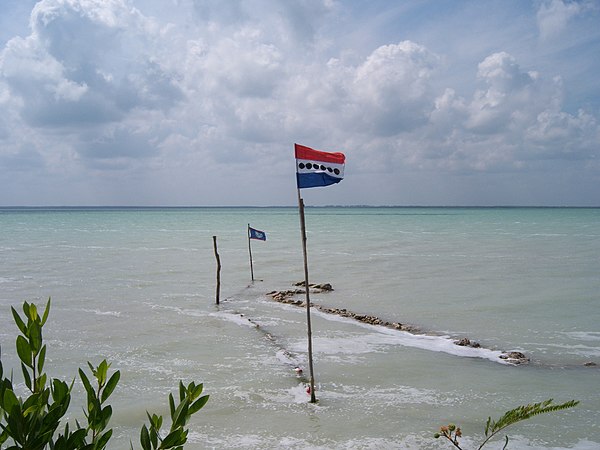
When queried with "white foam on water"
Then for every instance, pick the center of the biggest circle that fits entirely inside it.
(253, 441)
(392, 397)
(578, 349)
(238, 319)
(180, 311)
(409, 442)
(103, 313)
(298, 394)
(521, 442)
(379, 337)
(583, 335)
(285, 357)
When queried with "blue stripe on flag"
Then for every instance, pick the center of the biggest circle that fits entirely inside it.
(308, 180)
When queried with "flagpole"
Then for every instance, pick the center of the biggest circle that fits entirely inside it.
(250, 253)
(313, 398)
(218, 290)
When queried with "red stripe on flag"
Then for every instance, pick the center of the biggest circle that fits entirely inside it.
(303, 152)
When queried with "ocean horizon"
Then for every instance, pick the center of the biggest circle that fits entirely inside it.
(59, 207)
(136, 285)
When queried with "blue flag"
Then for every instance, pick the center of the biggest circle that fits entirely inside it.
(257, 234)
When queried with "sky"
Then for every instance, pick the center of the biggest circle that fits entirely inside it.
(200, 102)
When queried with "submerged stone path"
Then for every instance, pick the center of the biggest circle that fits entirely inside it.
(288, 296)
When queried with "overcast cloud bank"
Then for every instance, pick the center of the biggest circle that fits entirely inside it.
(182, 102)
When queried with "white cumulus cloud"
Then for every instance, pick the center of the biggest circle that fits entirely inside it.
(157, 98)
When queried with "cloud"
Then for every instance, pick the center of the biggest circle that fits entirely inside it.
(172, 93)
(553, 16)
(391, 88)
(67, 72)
(558, 135)
(25, 160)
(509, 92)
(514, 120)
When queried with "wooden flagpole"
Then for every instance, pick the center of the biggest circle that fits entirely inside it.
(313, 398)
(218, 290)
(250, 253)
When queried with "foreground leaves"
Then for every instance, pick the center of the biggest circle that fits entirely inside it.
(190, 402)
(451, 432)
(31, 423)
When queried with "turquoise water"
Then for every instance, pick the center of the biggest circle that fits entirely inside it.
(137, 286)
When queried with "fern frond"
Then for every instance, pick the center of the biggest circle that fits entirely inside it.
(523, 412)
(527, 411)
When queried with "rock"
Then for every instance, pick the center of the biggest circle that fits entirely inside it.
(316, 288)
(322, 287)
(515, 357)
(464, 342)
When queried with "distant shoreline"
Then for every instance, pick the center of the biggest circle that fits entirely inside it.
(150, 208)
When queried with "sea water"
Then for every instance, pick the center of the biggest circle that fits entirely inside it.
(137, 286)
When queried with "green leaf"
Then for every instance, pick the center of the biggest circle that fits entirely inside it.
(198, 404)
(197, 390)
(145, 438)
(60, 390)
(154, 437)
(20, 324)
(103, 440)
(111, 385)
(26, 310)
(26, 377)
(176, 437)
(33, 409)
(155, 421)
(101, 372)
(41, 359)
(106, 414)
(32, 312)
(181, 414)
(171, 405)
(86, 384)
(35, 337)
(24, 351)
(46, 312)
(487, 425)
(182, 391)
(77, 439)
(9, 401)
(40, 383)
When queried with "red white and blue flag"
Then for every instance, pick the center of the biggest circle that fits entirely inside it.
(315, 168)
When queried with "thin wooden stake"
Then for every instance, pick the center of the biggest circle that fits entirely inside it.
(250, 253)
(218, 293)
(313, 398)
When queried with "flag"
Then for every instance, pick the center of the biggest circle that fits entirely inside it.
(315, 168)
(257, 234)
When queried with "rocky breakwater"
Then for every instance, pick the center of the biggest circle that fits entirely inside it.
(288, 296)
